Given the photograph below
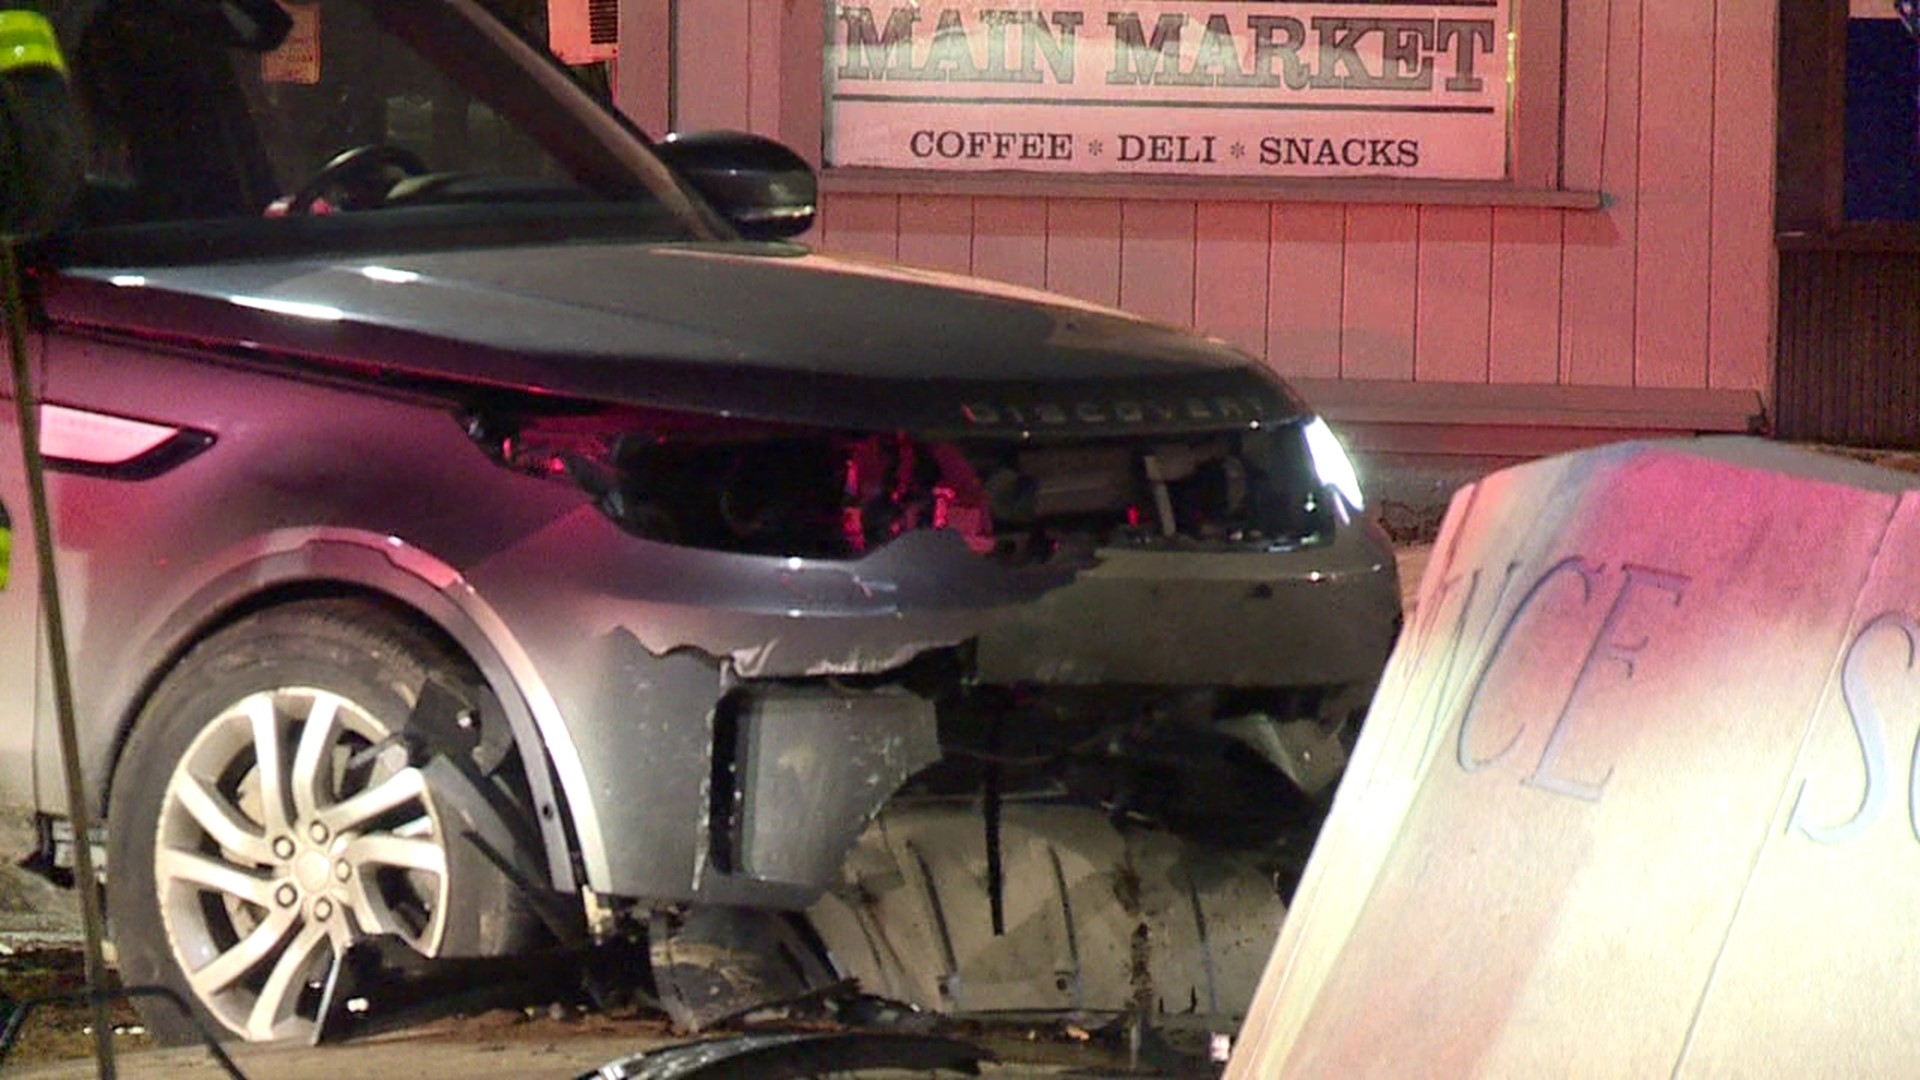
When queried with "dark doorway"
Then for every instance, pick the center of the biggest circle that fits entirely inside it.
(1847, 365)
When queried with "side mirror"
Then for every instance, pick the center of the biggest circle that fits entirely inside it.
(765, 189)
(42, 156)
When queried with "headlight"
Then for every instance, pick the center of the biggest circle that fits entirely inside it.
(1331, 463)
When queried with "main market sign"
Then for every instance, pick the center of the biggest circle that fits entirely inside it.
(1326, 88)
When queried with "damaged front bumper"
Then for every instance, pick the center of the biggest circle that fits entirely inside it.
(1324, 615)
(724, 725)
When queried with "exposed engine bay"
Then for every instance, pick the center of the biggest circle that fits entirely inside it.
(838, 495)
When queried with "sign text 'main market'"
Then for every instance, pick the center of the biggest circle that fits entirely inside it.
(1254, 51)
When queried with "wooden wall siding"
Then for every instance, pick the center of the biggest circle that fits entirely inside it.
(1306, 284)
(867, 226)
(643, 78)
(1583, 76)
(1158, 246)
(1668, 110)
(1083, 249)
(719, 42)
(765, 27)
(1597, 295)
(1850, 347)
(1524, 326)
(1743, 281)
(1454, 300)
(1230, 275)
(937, 232)
(1010, 240)
(1676, 194)
(1377, 304)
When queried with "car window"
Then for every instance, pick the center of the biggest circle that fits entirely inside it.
(340, 82)
(365, 106)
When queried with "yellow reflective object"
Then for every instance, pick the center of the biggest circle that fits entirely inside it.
(27, 41)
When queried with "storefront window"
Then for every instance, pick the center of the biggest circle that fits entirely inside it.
(1223, 88)
(1882, 114)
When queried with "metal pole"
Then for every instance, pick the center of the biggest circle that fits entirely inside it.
(13, 311)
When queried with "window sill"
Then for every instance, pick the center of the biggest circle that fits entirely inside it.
(1434, 421)
(1866, 236)
(1210, 189)
(1692, 411)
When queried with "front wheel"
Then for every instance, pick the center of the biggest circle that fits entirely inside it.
(279, 800)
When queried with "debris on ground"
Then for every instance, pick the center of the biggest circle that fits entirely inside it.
(57, 1032)
(1409, 524)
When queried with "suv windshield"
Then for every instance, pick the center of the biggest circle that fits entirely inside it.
(368, 120)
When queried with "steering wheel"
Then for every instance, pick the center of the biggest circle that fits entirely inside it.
(360, 173)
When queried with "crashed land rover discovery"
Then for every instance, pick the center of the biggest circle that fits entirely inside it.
(481, 527)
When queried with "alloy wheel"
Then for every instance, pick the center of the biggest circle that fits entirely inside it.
(293, 826)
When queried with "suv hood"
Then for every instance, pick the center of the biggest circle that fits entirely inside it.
(752, 329)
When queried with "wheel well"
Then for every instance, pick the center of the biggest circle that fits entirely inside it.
(345, 593)
(290, 593)
(346, 749)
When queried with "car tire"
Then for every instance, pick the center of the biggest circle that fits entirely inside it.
(239, 886)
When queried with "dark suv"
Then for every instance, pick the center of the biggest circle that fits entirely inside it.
(477, 525)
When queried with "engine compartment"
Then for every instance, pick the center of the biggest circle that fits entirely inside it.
(765, 489)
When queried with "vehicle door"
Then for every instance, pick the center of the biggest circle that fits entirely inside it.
(19, 622)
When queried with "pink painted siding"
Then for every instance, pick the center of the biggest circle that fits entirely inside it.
(764, 25)
(1083, 249)
(1676, 194)
(1307, 279)
(1010, 240)
(1376, 322)
(1230, 284)
(1669, 111)
(1743, 269)
(716, 68)
(866, 226)
(1455, 294)
(936, 231)
(1158, 247)
(1524, 329)
(1597, 289)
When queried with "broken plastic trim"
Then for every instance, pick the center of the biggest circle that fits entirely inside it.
(711, 963)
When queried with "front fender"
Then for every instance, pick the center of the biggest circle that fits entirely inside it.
(306, 562)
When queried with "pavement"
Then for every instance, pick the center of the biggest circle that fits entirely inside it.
(403, 1055)
(507, 1046)
(34, 912)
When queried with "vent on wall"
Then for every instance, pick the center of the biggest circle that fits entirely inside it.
(583, 31)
